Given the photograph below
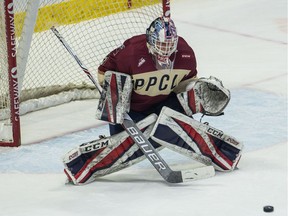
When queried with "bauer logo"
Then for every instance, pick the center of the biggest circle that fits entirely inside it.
(146, 149)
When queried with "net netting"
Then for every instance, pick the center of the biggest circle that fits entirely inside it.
(48, 75)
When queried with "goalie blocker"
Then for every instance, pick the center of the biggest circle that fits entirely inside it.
(115, 97)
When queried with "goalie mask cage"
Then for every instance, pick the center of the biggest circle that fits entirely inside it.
(36, 71)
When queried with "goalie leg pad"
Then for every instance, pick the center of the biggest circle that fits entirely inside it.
(189, 137)
(107, 155)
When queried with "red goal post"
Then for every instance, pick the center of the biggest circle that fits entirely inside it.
(9, 80)
(42, 74)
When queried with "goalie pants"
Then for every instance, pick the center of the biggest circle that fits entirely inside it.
(171, 102)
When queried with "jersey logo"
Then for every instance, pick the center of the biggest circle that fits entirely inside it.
(158, 82)
(186, 56)
(141, 62)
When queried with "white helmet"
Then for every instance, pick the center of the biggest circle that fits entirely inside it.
(162, 40)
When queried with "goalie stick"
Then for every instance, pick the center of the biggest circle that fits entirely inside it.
(141, 141)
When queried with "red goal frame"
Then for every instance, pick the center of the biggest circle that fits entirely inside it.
(12, 74)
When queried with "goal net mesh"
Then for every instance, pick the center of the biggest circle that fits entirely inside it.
(47, 74)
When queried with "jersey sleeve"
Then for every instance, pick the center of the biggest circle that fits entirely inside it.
(110, 62)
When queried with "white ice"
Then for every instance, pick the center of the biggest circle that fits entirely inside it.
(244, 43)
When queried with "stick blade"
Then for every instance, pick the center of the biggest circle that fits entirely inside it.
(174, 177)
(190, 175)
(198, 173)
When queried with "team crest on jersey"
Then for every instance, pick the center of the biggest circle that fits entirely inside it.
(141, 62)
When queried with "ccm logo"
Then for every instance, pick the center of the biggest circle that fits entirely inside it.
(96, 146)
(215, 132)
(146, 148)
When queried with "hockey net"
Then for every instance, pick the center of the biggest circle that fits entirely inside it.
(46, 74)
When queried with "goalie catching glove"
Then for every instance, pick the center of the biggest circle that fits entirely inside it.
(189, 137)
(115, 97)
(203, 95)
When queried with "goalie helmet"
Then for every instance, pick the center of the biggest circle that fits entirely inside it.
(162, 41)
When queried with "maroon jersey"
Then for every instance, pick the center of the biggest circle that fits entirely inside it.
(150, 86)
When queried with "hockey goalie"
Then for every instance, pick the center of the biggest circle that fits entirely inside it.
(153, 78)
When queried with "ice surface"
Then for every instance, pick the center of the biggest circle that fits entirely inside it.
(241, 42)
